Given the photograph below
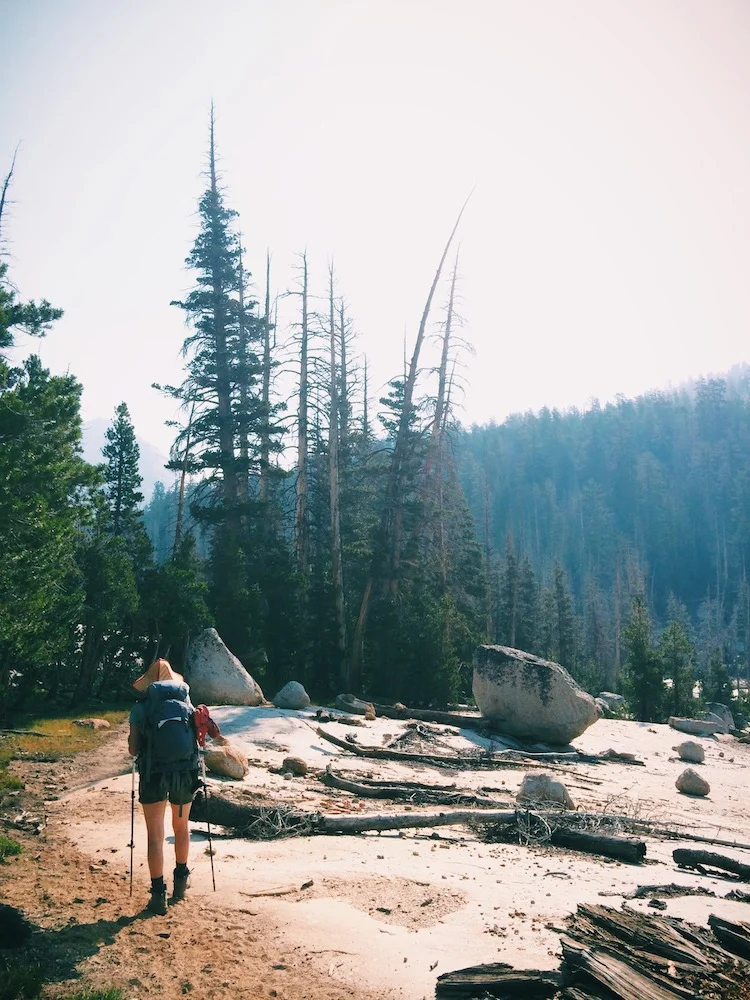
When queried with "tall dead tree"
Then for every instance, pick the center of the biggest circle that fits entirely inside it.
(343, 382)
(302, 535)
(386, 571)
(6, 185)
(265, 434)
(337, 562)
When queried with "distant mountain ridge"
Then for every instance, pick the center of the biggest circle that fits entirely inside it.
(151, 461)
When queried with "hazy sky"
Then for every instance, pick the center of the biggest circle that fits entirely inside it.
(606, 248)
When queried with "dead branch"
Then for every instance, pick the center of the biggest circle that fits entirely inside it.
(411, 791)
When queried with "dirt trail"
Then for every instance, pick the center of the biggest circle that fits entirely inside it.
(91, 930)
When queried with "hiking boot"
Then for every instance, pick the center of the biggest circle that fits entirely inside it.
(158, 901)
(181, 883)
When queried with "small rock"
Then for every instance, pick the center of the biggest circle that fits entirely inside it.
(296, 765)
(226, 759)
(544, 788)
(92, 723)
(292, 695)
(690, 751)
(657, 904)
(691, 783)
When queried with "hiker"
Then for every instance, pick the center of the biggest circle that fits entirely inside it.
(162, 737)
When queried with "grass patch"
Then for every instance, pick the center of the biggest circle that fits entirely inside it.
(110, 994)
(20, 982)
(61, 738)
(8, 846)
(9, 782)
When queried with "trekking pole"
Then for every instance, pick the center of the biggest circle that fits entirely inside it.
(208, 821)
(131, 845)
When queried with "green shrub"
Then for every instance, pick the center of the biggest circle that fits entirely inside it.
(8, 847)
(21, 982)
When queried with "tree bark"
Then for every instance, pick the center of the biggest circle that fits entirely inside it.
(302, 525)
(265, 436)
(700, 860)
(337, 561)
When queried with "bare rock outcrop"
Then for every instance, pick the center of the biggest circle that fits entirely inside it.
(696, 727)
(530, 698)
(216, 676)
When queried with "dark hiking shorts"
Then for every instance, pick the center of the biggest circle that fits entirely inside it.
(177, 788)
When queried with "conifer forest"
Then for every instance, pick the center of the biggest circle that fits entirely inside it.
(355, 543)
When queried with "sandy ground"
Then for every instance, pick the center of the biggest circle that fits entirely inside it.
(367, 916)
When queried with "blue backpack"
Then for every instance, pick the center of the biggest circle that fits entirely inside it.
(169, 734)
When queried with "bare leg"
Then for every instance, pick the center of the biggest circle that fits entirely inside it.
(181, 833)
(154, 815)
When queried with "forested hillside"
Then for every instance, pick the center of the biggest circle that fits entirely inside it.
(648, 496)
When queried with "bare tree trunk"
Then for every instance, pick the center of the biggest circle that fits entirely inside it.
(302, 524)
(265, 439)
(337, 562)
(488, 556)
(344, 403)
(6, 185)
(365, 413)
(183, 479)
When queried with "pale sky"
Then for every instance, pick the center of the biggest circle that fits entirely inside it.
(606, 248)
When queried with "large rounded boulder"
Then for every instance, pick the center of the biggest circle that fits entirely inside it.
(216, 676)
(530, 698)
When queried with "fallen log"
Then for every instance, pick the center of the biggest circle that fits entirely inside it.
(412, 791)
(701, 860)
(457, 719)
(622, 848)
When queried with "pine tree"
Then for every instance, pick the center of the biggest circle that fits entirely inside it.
(717, 686)
(121, 475)
(643, 670)
(676, 652)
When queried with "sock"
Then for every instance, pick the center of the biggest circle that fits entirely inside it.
(181, 870)
(158, 884)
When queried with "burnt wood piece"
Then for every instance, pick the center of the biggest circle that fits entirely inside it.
(623, 848)
(701, 860)
(735, 937)
(497, 979)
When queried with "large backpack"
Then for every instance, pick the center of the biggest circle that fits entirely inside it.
(169, 735)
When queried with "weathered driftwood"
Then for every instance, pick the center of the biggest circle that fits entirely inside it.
(623, 848)
(701, 860)
(411, 791)
(226, 811)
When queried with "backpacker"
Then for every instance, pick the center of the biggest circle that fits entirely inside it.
(169, 735)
